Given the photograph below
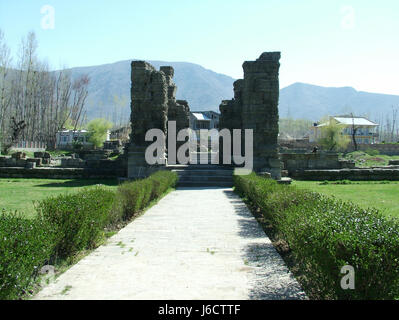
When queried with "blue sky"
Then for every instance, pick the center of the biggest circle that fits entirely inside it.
(330, 43)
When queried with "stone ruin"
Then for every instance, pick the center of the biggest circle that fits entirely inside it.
(255, 106)
(153, 103)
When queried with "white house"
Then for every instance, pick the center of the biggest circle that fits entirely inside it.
(364, 129)
(200, 120)
(204, 120)
(65, 138)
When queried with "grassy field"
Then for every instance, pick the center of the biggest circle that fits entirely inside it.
(382, 195)
(19, 194)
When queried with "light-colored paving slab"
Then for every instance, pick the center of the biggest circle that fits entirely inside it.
(194, 244)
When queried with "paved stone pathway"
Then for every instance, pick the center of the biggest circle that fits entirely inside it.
(194, 244)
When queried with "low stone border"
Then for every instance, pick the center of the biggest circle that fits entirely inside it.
(376, 174)
(61, 173)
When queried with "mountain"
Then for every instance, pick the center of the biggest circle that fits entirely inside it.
(202, 88)
(205, 89)
(306, 101)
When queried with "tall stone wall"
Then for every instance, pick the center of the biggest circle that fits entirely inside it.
(153, 103)
(255, 106)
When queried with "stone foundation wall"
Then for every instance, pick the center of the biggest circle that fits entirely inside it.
(94, 164)
(62, 173)
(19, 162)
(347, 174)
(305, 161)
(304, 145)
(296, 145)
(101, 167)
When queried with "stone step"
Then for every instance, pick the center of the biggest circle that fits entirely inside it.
(205, 184)
(203, 175)
(223, 173)
(206, 178)
(199, 167)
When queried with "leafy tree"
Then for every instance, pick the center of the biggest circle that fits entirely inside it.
(296, 128)
(98, 131)
(332, 137)
(70, 124)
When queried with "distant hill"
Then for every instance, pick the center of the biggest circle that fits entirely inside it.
(205, 89)
(306, 101)
(202, 88)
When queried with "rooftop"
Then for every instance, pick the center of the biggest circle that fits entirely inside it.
(200, 116)
(348, 120)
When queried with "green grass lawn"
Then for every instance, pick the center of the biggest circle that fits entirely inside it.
(19, 194)
(377, 194)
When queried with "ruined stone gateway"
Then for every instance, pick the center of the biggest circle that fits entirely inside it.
(255, 106)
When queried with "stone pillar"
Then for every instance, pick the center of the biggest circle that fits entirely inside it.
(149, 109)
(260, 110)
(255, 106)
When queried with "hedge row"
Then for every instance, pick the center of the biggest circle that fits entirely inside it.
(78, 219)
(133, 196)
(67, 224)
(24, 246)
(324, 234)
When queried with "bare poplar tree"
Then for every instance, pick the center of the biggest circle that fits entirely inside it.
(42, 100)
(5, 97)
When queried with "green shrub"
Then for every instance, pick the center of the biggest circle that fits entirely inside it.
(162, 181)
(25, 246)
(324, 234)
(129, 198)
(78, 219)
(372, 152)
(134, 196)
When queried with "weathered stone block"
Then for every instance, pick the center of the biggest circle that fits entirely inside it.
(30, 165)
(38, 154)
(38, 161)
(18, 155)
(20, 162)
(11, 162)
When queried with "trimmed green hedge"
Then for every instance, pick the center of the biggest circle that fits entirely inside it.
(133, 196)
(67, 224)
(25, 246)
(324, 234)
(78, 219)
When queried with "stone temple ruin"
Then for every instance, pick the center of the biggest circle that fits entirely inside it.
(255, 106)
